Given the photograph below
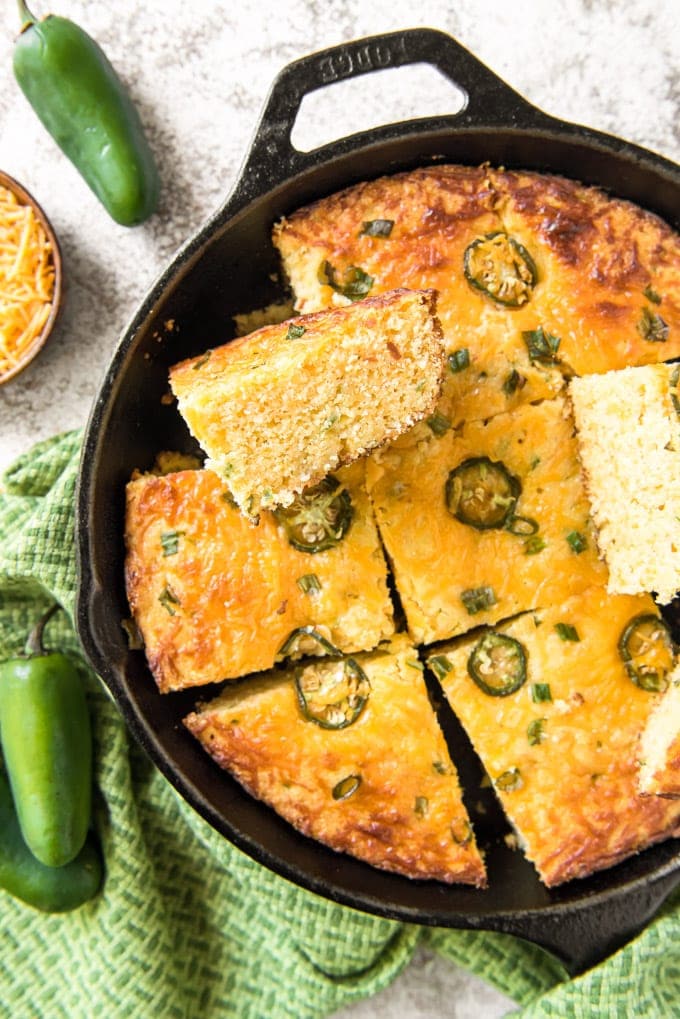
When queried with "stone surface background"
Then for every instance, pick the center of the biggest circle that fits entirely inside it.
(200, 72)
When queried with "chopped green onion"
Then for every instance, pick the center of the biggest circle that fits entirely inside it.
(476, 599)
(652, 327)
(540, 692)
(577, 541)
(413, 663)
(513, 381)
(440, 665)
(202, 360)
(295, 331)
(438, 423)
(357, 282)
(441, 768)
(651, 295)
(567, 632)
(461, 832)
(169, 599)
(346, 787)
(421, 806)
(377, 228)
(534, 545)
(170, 542)
(509, 780)
(309, 583)
(535, 733)
(459, 360)
(540, 345)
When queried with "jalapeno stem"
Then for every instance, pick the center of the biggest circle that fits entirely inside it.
(27, 19)
(34, 644)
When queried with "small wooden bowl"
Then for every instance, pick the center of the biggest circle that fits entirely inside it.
(38, 342)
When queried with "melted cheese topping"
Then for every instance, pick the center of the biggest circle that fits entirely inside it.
(26, 279)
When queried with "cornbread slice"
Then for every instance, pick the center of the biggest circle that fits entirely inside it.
(277, 410)
(660, 744)
(556, 721)
(373, 780)
(629, 444)
(609, 271)
(415, 230)
(484, 521)
(216, 596)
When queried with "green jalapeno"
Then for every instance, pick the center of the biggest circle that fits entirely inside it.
(51, 889)
(498, 664)
(84, 106)
(332, 693)
(646, 649)
(501, 268)
(47, 747)
(319, 518)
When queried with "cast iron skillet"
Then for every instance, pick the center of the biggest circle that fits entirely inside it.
(228, 267)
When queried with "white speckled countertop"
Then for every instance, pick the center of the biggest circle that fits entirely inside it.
(200, 72)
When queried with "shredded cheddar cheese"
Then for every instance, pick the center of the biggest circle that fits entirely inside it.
(26, 279)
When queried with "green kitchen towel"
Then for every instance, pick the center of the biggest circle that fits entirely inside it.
(188, 926)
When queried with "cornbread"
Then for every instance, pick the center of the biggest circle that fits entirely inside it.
(484, 521)
(26, 279)
(553, 702)
(277, 410)
(414, 230)
(629, 444)
(377, 783)
(216, 596)
(609, 271)
(660, 744)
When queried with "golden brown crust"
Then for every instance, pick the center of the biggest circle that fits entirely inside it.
(576, 808)
(596, 255)
(406, 814)
(222, 603)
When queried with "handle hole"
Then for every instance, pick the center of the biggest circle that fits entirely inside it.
(359, 104)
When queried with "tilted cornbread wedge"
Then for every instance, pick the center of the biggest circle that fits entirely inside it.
(628, 432)
(554, 702)
(484, 521)
(609, 271)
(660, 744)
(277, 410)
(349, 751)
(431, 227)
(216, 596)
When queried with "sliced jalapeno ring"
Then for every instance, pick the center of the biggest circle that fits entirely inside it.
(332, 694)
(482, 493)
(319, 518)
(498, 664)
(501, 268)
(646, 648)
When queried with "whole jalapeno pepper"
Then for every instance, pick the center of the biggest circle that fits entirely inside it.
(46, 739)
(52, 889)
(76, 93)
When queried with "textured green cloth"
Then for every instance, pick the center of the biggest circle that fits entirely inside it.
(188, 926)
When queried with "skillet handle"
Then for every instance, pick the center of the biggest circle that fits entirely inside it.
(585, 936)
(488, 100)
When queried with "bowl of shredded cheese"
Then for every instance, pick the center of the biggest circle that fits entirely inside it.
(30, 278)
